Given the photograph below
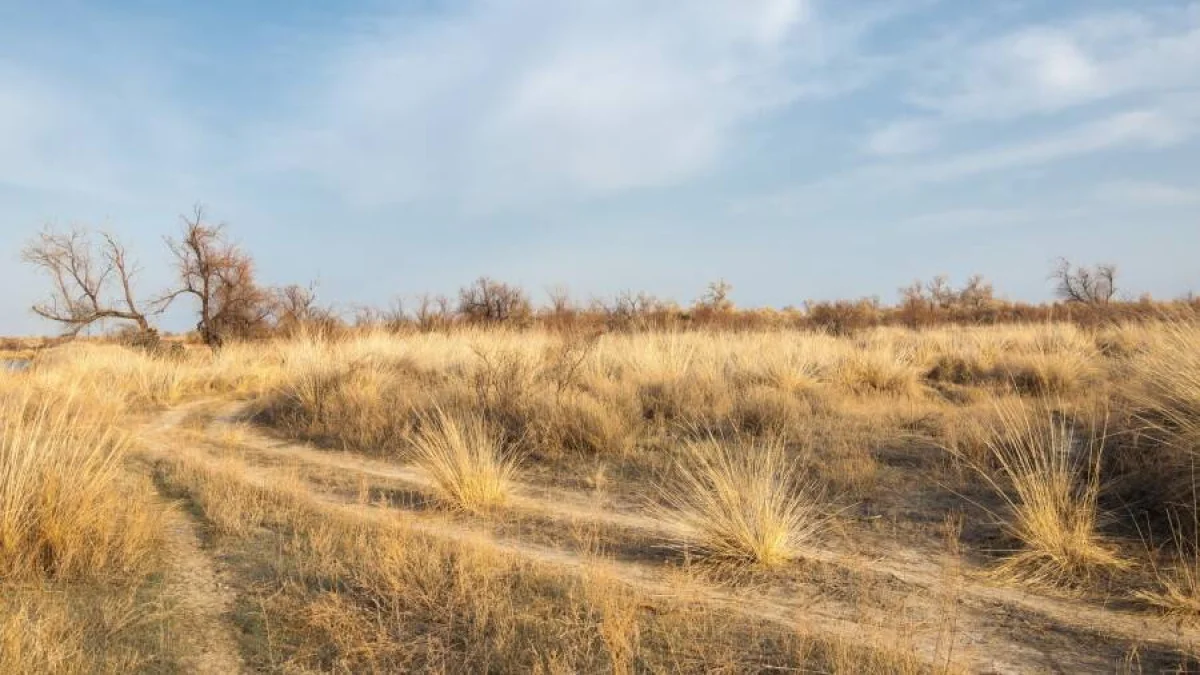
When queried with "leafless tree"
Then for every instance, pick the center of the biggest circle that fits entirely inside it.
(295, 308)
(716, 297)
(1090, 285)
(977, 294)
(220, 276)
(432, 312)
(92, 281)
(491, 301)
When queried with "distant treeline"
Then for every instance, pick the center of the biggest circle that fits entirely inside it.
(93, 284)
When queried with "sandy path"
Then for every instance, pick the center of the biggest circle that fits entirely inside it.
(978, 645)
(201, 602)
(919, 569)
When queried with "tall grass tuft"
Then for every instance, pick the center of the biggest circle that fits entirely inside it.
(466, 460)
(1165, 384)
(1049, 479)
(743, 502)
(65, 510)
(1176, 588)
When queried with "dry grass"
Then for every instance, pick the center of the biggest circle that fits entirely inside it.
(1165, 383)
(1176, 588)
(64, 506)
(355, 594)
(1049, 478)
(82, 630)
(466, 460)
(743, 502)
(734, 432)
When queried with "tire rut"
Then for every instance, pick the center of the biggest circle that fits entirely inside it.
(917, 569)
(201, 602)
(983, 648)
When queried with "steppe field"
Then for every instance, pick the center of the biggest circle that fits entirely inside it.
(1007, 499)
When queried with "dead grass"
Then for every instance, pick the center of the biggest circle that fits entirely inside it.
(351, 594)
(65, 510)
(470, 468)
(743, 502)
(734, 432)
(1049, 478)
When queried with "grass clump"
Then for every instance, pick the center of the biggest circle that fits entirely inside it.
(1049, 478)
(743, 502)
(66, 511)
(466, 460)
(1176, 588)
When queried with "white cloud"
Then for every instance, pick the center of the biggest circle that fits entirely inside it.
(1042, 69)
(511, 102)
(981, 218)
(902, 137)
(118, 139)
(1173, 122)
(1137, 129)
(1148, 193)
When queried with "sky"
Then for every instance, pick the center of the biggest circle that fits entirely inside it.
(800, 149)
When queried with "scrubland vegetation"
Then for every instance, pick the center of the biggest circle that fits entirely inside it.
(955, 483)
(1006, 498)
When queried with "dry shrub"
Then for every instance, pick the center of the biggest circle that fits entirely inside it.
(1154, 461)
(66, 510)
(370, 407)
(466, 460)
(590, 426)
(875, 372)
(1047, 374)
(766, 411)
(963, 368)
(743, 502)
(685, 397)
(1049, 478)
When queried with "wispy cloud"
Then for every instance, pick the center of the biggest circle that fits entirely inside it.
(1045, 68)
(503, 103)
(1147, 193)
(901, 137)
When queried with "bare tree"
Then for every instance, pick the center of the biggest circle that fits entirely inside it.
(716, 297)
(432, 312)
(1090, 285)
(91, 281)
(977, 294)
(491, 301)
(295, 308)
(220, 276)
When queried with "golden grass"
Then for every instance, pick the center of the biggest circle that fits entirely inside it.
(353, 594)
(80, 631)
(743, 502)
(1176, 588)
(1165, 382)
(1049, 478)
(65, 510)
(336, 592)
(466, 460)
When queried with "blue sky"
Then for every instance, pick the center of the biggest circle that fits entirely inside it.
(799, 149)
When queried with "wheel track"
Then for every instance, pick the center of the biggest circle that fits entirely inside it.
(202, 602)
(915, 568)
